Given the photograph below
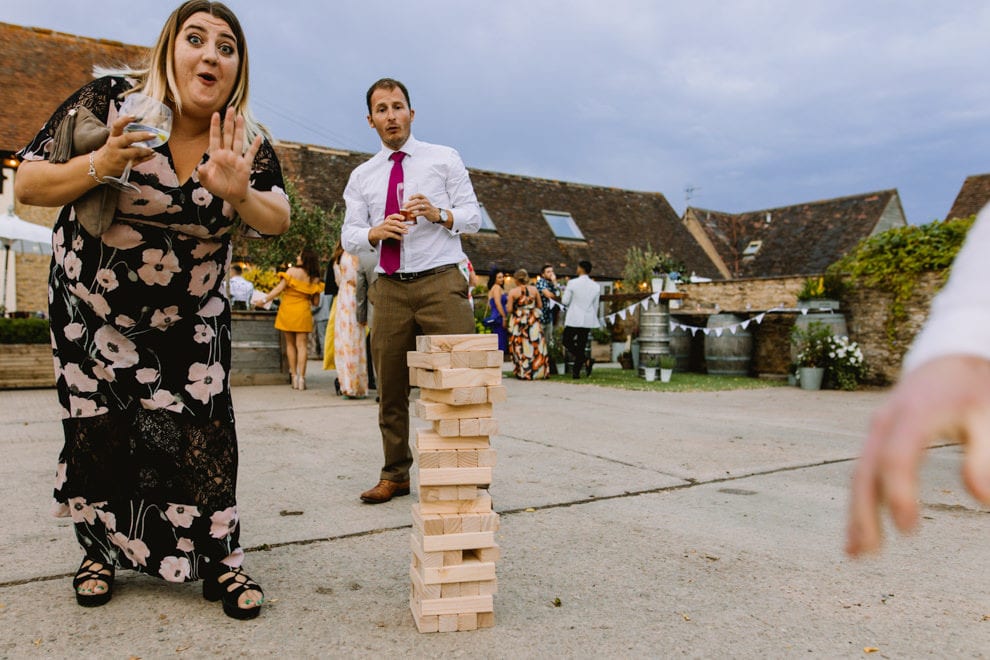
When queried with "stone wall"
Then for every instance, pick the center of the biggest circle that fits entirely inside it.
(867, 313)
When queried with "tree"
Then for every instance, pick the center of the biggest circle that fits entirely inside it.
(311, 227)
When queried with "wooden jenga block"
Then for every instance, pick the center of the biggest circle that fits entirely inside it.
(461, 605)
(448, 428)
(429, 439)
(474, 458)
(486, 619)
(464, 541)
(440, 494)
(455, 476)
(467, 621)
(458, 396)
(470, 570)
(431, 410)
(497, 394)
(452, 343)
(449, 622)
(424, 624)
(442, 379)
(475, 359)
(413, 377)
(428, 460)
(428, 360)
(452, 590)
(482, 504)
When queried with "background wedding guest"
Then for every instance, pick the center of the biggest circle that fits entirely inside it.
(581, 298)
(527, 343)
(348, 332)
(499, 320)
(419, 289)
(149, 464)
(297, 287)
(241, 290)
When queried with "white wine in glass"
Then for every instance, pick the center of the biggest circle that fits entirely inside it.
(150, 116)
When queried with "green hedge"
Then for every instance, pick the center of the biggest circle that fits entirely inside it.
(24, 331)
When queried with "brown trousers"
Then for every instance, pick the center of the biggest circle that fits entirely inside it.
(431, 305)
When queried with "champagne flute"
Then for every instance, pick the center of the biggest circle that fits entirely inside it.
(150, 116)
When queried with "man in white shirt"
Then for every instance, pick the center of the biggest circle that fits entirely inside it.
(943, 394)
(420, 289)
(240, 289)
(581, 300)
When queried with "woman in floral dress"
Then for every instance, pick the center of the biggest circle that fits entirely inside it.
(140, 324)
(348, 335)
(527, 345)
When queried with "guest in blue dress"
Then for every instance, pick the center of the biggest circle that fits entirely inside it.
(496, 306)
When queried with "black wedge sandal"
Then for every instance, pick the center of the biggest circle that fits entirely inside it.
(228, 585)
(90, 569)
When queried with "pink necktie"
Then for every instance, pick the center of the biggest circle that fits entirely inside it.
(389, 258)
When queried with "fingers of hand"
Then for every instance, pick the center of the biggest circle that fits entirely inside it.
(215, 138)
(976, 468)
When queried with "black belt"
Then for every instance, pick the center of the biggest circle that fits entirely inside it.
(409, 277)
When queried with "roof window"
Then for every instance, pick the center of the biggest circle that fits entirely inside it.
(563, 226)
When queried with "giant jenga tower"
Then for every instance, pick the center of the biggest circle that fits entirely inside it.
(453, 537)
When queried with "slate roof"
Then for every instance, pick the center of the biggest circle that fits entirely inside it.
(973, 196)
(803, 239)
(611, 219)
(41, 68)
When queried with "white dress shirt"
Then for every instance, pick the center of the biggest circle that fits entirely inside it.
(240, 289)
(432, 170)
(959, 320)
(581, 297)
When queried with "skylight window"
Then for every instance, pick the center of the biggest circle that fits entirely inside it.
(486, 220)
(563, 225)
(752, 248)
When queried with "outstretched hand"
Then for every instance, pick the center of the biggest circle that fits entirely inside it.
(227, 173)
(948, 399)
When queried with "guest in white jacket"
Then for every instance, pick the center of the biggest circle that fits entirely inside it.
(581, 300)
(943, 394)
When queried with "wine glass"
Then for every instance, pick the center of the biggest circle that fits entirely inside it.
(149, 115)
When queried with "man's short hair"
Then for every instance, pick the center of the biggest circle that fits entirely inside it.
(585, 266)
(544, 267)
(387, 83)
(236, 270)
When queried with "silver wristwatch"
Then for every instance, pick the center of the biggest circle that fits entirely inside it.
(444, 216)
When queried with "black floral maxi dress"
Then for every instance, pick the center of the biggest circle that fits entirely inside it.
(141, 340)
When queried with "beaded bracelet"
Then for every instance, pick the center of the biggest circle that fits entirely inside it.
(92, 167)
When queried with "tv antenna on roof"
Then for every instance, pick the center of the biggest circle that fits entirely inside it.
(689, 191)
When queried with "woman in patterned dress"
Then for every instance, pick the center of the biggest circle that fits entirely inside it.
(527, 345)
(299, 285)
(140, 323)
(348, 334)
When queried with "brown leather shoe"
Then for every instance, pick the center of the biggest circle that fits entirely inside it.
(385, 490)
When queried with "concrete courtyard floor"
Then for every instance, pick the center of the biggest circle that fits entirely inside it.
(633, 524)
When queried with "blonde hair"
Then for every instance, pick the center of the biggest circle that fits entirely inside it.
(157, 78)
(521, 276)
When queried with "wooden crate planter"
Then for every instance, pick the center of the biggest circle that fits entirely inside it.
(25, 366)
(257, 355)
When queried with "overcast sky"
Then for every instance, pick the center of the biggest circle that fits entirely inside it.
(741, 105)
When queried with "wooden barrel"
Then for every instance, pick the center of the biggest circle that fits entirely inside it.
(680, 348)
(256, 355)
(654, 330)
(832, 320)
(729, 353)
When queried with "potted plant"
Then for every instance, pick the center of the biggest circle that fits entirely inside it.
(555, 348)
(845, 364)
(625, 360)
(812, 344)
(820, 293)
(667, 363)
(651, 362)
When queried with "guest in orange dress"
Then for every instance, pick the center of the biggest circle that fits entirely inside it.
(300, 283)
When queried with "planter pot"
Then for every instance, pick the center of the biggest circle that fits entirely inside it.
(634, 348)
(618, 348)
(257, 350)
(650, 373)
(561, 367)
(811, 378)
(665, 375)
(792, 380)
(26, 365)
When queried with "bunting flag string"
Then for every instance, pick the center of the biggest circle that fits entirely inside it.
(693, 329)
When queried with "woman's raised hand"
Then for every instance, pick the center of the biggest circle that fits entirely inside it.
(227, 173)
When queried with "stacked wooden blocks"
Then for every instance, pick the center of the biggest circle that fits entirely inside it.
(453, 538)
